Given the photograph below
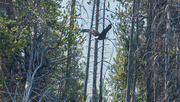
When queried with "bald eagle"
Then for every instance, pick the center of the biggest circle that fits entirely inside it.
(99, 36)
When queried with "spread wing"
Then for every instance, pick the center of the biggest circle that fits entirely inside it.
(92, 31)
(104, 32)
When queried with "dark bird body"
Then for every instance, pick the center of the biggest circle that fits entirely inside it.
(99, 36)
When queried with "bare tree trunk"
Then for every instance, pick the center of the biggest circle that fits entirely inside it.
(177, 85)
(130, 57)
(178, 44)
(134, 87)
(95, 55)
(149, 44)
(29, 73)
(2, 61)
(154, 80)
(177, 53)
(136, 67)
(102, 58)
(167, 49)
(88, 56)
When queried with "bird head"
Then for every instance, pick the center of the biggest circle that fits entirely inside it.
(96, 37)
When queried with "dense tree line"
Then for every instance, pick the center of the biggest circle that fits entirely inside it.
(41, 46)
(40, 51)
(155, 52)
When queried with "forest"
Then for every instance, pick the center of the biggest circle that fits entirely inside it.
(89, 50)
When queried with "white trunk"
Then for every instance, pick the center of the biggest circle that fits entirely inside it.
(29, 73)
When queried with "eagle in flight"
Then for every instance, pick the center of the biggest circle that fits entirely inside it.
(99, 36)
